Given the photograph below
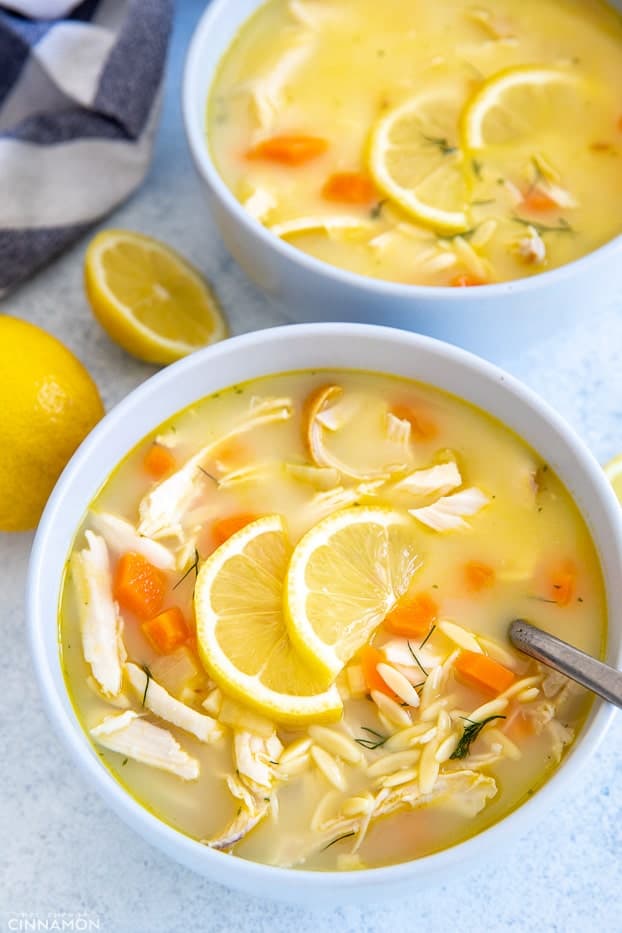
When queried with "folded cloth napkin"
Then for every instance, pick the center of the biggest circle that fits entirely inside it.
(79, 103)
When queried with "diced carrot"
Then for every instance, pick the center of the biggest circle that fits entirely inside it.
(370, 658)
(289, 149)
(466, 280)
(350, 187)
(138, 585)
(537, 201)
(563, 581)
(422, 426)
(167, 631)
(159, 461)
(223, 528)
(479, 576)
(481, 671)
(414, 618)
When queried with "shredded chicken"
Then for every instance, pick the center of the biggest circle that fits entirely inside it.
(163, 509)
(437, 480)
(121, 536)
(100, 623)
(156, 699)
(256, 775)
(267, 92)
(446, 514)
(260, 204)
(319, 477)
(131, 735)
(531, 248)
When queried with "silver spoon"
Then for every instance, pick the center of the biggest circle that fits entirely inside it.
(602, 679)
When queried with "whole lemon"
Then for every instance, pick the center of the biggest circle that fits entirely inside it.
(48, 403)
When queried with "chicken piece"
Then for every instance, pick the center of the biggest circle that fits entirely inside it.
(100, 623)
(437, 480)
(121, 536)
(131, 735)
(163, 509)
(446, 514)
(256, 776)
(267, 92)
(156, 699)
(530, 248)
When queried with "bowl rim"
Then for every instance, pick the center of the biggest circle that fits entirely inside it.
(193, 80)
(238, 872)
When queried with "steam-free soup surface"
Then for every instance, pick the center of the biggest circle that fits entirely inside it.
(436, 727)
(444, 143)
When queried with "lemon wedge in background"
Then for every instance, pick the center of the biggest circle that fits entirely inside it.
(520, 104)
(613, 472)
(415, 159)
(241, 633)
(344, 576)
(148, 299)
(49, 403)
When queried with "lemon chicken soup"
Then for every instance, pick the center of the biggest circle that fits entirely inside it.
(434, 143)
(284, 622)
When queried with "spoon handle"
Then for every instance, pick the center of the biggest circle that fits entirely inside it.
(602, 679)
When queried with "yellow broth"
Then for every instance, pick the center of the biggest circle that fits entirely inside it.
(333, 68)
(529, 524)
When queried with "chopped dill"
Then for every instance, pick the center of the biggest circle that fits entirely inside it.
(193, 566)
(239, 811)
(562, 227)
(477, 168)
(579, 599)
(543, 599)
(381, 53)
(376, 210)
(147, 682)
(376, 742)
(338, 839)
(443, 144)
(266, 800)
(427, 637)
(469, 735)
(483, 202)
(419, 664)
(124, 762)
(238, 390)
(209, 475)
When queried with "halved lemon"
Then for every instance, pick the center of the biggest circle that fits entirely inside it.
(241, 633)
(344, 576)
(148, 299)
(521, 104)
(613, 472)
(416, 160)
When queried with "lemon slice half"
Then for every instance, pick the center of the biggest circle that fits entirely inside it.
(416, 161)
(344, 576)
(241, 633)
(148, 299)
(520, 104)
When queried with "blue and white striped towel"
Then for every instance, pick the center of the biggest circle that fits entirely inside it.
(79, 103)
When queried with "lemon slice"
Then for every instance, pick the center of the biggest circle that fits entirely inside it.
(148, 299)
(613, 472)
(241, 633)
(415, 160)
(344, 576)
(521, 104)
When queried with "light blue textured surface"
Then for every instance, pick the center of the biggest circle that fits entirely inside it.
(63, 852)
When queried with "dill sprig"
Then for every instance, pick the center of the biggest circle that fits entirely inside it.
(376, 210)
(477, 168)
(193, 566)
(427, 637)
(376, 742)
(209, 475)
(442, 142)
(469, 735)
(418, 662)
(562, 227)
(147, 682)
(338, 839)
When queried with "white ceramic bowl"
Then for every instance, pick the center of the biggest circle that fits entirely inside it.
(491, 320)
(311, 346)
